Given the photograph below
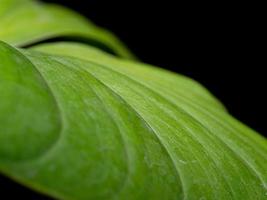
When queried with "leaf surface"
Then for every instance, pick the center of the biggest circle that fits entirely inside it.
(127, 133)
(78, 123)
(26, 22)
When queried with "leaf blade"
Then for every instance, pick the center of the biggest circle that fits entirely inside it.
(158, 137)
(51, 21)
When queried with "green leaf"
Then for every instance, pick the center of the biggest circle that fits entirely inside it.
(77, 123)
(127, 130)
(25, 22)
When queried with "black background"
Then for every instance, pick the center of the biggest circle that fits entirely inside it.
(220, 45)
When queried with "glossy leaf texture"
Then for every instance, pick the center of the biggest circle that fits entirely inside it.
(106, 128)
(26, 22)
(77, 123)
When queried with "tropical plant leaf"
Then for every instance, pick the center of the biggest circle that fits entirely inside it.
(78, 123)
(120, 130)
(25, 22)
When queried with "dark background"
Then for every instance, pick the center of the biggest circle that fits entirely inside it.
(220, 45)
